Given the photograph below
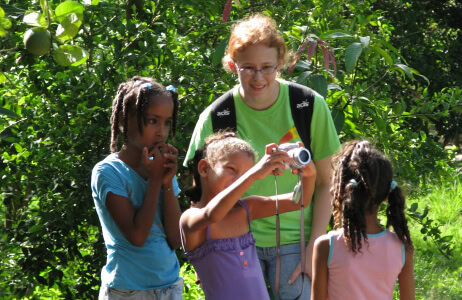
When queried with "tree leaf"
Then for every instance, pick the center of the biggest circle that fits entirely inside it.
(302, 78)
(67, 8)
(90, 2)
(336, 35)
(227, 10)
(383, 53)
(404, 69)
(352, 54)
(219, 52)
(325, 56)
(365, 40)
(311, 49)
(319, 84)
(68, 55)
(6, 112)
(36, 19)
(332, 60)
(338, 115)
(302, 48)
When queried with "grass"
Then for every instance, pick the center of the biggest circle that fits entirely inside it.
(436, 276)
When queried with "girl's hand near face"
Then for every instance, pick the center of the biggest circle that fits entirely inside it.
(154, 163)
(273, 162)
(170, 155)
(164, 165)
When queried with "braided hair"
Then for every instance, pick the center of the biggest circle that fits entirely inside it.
(134, 96)
(215, 147)
(361, 182)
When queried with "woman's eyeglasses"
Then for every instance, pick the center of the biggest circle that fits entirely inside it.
(250, 71)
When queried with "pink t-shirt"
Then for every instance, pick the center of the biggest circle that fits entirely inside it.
(371, 273)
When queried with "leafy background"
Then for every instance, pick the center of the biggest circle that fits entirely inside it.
(390, 71)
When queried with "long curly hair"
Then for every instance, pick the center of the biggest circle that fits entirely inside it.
(134, 96)
(361, 182)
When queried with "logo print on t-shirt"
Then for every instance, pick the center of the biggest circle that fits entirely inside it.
(223, 113)
(290, 135)
(303, 104)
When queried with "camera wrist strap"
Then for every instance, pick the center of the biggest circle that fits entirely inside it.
(278, 243)
(302, 239)
(302, 235)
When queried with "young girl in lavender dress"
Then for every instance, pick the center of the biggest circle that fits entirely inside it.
(216, 231)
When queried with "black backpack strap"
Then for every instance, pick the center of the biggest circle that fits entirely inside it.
(302, 105)
(223, 112)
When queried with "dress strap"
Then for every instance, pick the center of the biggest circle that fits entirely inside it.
(181, 237)
(242, 203)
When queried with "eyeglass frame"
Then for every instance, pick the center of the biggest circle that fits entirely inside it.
(253, 71)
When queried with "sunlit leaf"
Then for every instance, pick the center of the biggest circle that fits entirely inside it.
(68, 55)
(334, 86)
(69, 7)
(383, 53)
(404, 69)
(352, 54)
(5, 23)
(36, 19)
(90, 2)
(365, 41)
(9, 113)
(336, 35)
(2, 77)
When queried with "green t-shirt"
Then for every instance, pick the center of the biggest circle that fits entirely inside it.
(274, 125)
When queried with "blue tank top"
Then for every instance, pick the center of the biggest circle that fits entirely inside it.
(229, 268)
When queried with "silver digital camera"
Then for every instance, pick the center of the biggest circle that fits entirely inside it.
(300, 156)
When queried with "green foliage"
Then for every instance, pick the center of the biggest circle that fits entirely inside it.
(55, 110)
(438, 276)
(191, 290)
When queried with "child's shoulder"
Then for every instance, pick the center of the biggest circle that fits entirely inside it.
(111, 159)
(323, 241)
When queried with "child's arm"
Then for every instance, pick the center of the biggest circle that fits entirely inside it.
(320, 271)
(322, 207)
(135, 224)
(172, 211)
(199, 218)
(406, 278)
(262, 207)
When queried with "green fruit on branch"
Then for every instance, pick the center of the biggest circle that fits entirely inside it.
(37, 41)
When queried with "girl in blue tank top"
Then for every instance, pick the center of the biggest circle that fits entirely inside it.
(216, 232)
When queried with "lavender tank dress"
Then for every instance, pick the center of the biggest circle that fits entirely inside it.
(229, 268)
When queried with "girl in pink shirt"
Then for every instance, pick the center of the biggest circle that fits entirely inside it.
(361, 259)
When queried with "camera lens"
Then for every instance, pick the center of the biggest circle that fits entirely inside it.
(304, 156)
